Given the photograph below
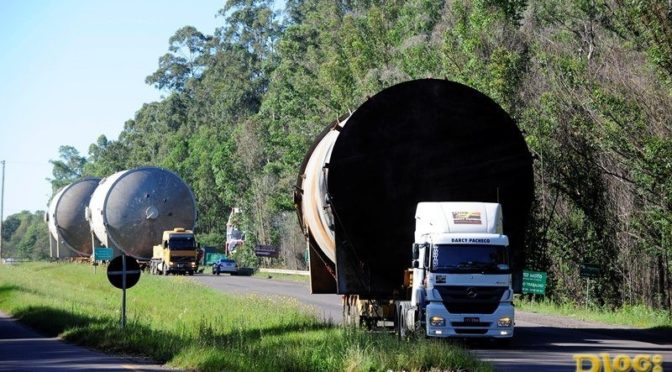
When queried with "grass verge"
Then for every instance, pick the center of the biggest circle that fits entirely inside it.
(635, 316)
(173, 320)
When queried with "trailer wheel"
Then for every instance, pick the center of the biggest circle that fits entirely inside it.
(403, 327)
(397, 320)
(351, 314)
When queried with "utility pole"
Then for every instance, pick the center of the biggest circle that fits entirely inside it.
(2, 205)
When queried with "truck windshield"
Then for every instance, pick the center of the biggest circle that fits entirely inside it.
(181, 243)
(470, 259)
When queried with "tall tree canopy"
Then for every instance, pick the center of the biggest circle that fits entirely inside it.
(68, 168)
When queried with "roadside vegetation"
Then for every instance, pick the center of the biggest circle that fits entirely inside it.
(175, 321)
(639, 316)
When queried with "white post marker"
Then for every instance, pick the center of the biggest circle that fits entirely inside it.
(123, 272)
(123, 291)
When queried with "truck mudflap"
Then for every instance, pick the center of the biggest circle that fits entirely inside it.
(441, 323)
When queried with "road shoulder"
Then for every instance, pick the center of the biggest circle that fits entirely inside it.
(24, 349)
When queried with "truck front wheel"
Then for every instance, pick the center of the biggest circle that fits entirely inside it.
(400, 323)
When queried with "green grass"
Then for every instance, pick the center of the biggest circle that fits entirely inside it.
(175, 321)
(634, 316)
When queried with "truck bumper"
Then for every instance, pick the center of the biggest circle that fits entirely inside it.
(181, 267)
(470, 324)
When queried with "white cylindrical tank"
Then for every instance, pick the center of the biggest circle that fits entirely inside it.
(130, 209)
(66, 218)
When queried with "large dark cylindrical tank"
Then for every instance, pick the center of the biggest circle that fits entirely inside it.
(66, 219)
(131, 209)
(423, 140)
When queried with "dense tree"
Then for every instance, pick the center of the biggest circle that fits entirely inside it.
(25, 235)
(105, 158)
(68, 168)
(589, 82)
(185, 61)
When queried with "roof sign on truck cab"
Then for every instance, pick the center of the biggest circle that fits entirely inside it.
(467, 218)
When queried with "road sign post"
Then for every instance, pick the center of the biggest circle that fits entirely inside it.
(123, 291)
(123, 272)
(588, 271)
(266, 251)
(534, 282)
(101, 254)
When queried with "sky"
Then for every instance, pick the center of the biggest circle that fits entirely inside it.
(73, 70)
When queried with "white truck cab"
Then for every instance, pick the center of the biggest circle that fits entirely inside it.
(461, 283)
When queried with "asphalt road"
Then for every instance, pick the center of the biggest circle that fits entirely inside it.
(22, 349)
(542, 342)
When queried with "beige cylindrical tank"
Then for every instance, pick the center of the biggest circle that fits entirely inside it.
(316, 214)
(66, 220)
(130, 209)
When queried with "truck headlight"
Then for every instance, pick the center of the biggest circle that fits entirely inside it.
(504, 322)
(437, 321)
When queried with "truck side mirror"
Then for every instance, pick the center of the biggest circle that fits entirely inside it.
(416, 251)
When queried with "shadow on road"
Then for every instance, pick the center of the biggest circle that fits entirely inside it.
(543, 338)
(545, 348)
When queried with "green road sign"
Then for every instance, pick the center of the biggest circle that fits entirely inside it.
(534, 282)
(211, 258)
(589, 270)
(102, 254)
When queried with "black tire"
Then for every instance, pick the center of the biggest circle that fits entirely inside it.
(191, 272)
(403, 328)
(397, 321)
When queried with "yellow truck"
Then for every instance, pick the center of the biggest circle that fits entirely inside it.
(177, 253)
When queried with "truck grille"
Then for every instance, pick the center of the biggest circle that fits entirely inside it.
(470, 300)
(469, 324)
(471, 331)
(180, 259)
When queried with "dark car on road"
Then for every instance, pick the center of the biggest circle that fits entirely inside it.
(224, 265)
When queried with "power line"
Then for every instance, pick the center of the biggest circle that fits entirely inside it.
(39, 163)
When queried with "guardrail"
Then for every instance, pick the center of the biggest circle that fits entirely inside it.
(11, 261)
(283, 271)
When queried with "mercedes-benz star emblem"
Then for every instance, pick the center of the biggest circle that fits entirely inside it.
(471, 292)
